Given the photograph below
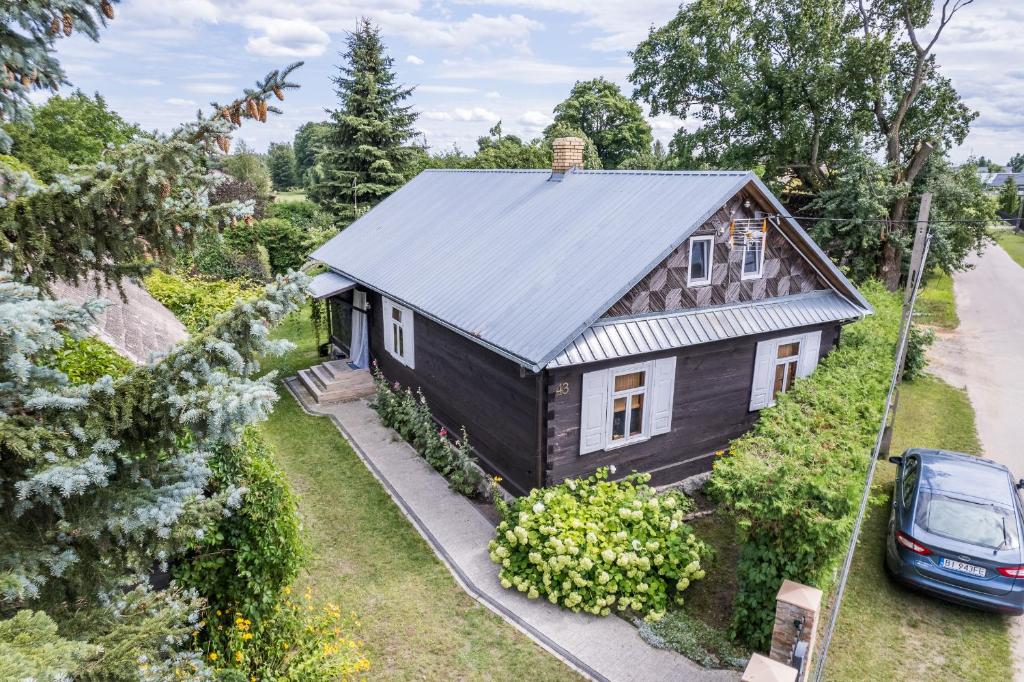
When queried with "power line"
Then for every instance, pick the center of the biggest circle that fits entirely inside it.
(886, 220)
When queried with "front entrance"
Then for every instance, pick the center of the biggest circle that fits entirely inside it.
(359, 349)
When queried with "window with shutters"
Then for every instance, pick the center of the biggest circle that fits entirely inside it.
(778, 363)
(398, 332)
(626, 405)
(701, 257)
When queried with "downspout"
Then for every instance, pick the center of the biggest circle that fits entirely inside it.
(541, 383)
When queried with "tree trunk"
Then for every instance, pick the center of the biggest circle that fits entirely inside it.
(891, 265)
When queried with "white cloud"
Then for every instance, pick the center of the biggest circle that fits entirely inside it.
(288, 38)
(493, 94)
(145, 82)
(180, 102)
(446, 89)
(534, 119)
(210, 88)
(413, 59)
(529, 71)
(473, 115)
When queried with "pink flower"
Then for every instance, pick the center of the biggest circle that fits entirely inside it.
(443, 432)
(396, 385)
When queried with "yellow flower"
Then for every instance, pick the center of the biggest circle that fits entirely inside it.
(287, 590)
(247, 635)
(213, 655)
(238, 656)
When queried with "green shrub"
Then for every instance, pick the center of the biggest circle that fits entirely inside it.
(32, 649)
(195, 301)
(917, 347)
(794, 481)
(410, 416)
(594, 545)
(243, 563)
(217, 258)
(317, 225)
(86, 360)
(283, 240)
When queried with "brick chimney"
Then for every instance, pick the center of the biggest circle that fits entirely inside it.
(567, 153)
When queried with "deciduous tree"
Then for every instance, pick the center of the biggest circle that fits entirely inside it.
(281, 163)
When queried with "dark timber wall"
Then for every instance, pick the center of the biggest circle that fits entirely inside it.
(468, 385)
(709, 408)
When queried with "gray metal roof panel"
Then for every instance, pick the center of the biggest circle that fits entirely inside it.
(518, 263)
(328, 284)
(715, 323)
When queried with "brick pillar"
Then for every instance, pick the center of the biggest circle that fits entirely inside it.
(796, 604)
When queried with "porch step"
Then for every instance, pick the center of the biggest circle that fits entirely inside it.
(337, 383)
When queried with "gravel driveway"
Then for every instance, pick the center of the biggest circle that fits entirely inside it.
(985, 355)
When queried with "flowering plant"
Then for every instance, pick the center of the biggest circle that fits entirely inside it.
(409, 415)
(594, 545)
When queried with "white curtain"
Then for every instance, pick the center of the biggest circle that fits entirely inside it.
(360, 352)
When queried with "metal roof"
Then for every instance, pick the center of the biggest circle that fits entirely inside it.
(622, 337)
(523, 264)
(328, 284)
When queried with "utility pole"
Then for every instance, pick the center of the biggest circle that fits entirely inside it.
(917, 258)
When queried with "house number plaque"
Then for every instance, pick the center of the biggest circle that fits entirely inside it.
(562, 388)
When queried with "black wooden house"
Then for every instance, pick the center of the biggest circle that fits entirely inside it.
(573, 319)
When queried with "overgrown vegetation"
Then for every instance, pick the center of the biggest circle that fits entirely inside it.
(197, 301)
(793, 482)
(409, 415)
(87, 359)
(596, 545)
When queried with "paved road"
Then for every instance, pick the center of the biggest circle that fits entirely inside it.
(986, 356)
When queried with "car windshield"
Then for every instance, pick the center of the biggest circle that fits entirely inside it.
(979, 523)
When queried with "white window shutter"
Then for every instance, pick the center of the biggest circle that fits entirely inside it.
(408, 325)
(809, 348)
(661, 396)
(594, 411)
(761, 390)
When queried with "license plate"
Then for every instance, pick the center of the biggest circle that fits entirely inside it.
(963, 568)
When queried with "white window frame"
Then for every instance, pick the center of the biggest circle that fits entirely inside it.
(645, 432)
(767, 359)
(706, 280)
(597, 407)
(744, 275)
(406, 326)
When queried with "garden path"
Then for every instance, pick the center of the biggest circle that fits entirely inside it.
(600, 648)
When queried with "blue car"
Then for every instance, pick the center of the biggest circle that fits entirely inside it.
(955, 530)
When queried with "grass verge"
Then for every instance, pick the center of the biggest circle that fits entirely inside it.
(292, 195)
(416, 622)
(885, 631)
(1012, 242)
(936, 306)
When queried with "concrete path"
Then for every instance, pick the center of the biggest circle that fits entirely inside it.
(599, 648)
(985, 355)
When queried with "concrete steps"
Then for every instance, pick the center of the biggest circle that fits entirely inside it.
(336, 382)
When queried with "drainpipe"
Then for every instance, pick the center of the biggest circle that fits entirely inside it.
(541, 384)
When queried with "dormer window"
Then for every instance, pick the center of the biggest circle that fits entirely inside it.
(701, 261)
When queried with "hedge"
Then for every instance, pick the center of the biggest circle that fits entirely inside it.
(794, 482)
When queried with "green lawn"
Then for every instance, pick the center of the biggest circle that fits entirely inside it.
(293, 195)
(1013, 242)
(416, 622)
(936, 305)
(885, 631)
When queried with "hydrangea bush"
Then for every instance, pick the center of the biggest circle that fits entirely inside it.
(596, 545)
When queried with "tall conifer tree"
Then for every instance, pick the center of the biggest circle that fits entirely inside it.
(365, 154)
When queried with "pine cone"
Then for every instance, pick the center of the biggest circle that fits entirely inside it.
(55, 26)
(26, 80)
(107, 9)
(236, 116)
(224, 144)
(165, 189)
(68, 24)
(248, 220)
(262, 106)
(278, 93)
(253, 109)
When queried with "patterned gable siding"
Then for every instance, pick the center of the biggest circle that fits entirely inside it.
(664, 288)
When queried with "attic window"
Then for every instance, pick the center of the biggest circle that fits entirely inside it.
(701, 250)
(753, 255)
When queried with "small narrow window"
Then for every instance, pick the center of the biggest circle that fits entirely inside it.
(629, 394)
(398, 332)
(753, 256)
(701, 257)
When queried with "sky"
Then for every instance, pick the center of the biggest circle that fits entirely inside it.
(473, 62)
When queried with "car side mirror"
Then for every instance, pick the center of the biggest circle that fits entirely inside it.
(1020, 484)
(896, 459)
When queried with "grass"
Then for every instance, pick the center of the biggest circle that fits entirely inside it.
(416, 622)
(936, 306)
(292, 195)
(1012, 242)
(885, 631)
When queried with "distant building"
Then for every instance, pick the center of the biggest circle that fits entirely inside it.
(993, 182)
